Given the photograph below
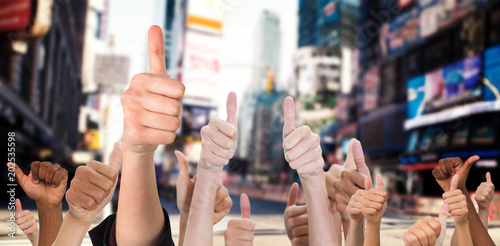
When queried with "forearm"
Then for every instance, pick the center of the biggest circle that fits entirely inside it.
(483, 215)
(72, 232)
(201, 213)
(50, 218)
(139, 219)
(182, 228)
(33, 239)
(321, 229)
(463, 234)
(454, 241)
(372, 235)
(355, 236)
(345, 225)
(337, 224)
(476, 228)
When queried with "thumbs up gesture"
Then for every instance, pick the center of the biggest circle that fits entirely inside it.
(485, 193)
(240, 231)
(456, 201)
(301, 146)
(374, 201)
(92, 187)
(218, 138)
(185, 186)
(26, 222)
(151, 104)
(296, 219)
(424, 232)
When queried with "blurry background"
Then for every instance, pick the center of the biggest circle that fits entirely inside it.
(414, 80)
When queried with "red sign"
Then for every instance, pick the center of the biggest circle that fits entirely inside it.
(14, 14)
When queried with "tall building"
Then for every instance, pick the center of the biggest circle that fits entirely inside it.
(41, 79)
(267, 49)
(167, 31)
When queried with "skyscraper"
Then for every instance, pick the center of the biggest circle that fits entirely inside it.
(267, 49)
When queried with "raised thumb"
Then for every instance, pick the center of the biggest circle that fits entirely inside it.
(245, 206)
(294, 193)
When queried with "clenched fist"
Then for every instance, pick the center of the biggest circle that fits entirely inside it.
(218, 138)
(453, 166)
(46, 183)
(301, 146)
(151, 104)
(92, 187)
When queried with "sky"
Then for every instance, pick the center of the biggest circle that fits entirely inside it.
(129, 21)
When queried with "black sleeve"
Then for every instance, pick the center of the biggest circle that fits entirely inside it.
(104, 233)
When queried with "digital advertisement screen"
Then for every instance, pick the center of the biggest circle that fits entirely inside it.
(441, 136)
(483, 133)
(491, 89)
(412, 141)
(460, 135)
(415, 94)
(426, 139)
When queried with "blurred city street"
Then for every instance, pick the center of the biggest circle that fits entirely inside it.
(269, 229)
(415, 81)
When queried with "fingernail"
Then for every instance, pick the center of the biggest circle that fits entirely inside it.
(36, 181)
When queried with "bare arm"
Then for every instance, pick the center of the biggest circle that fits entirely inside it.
(218, 141)
(303, 153)
(151, 107)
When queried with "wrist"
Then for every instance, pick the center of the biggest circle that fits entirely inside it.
(75, 220)
(140, 151)
(46, 206)
(375, 223)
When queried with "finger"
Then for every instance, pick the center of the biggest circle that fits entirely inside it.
(231, 108)
(156, 47)
(21, 177)
(368, 182)
(488, 177)
(469, 162)
(289, 111)
(60, 176)
(454, 182)
(245, 206)
(443, 215)
(19, 208)
(42, 171)
(183, 165)
(293, 195)
(35, 166)
(380, 182)
(349, 162)
(116, 158)
(359, 158)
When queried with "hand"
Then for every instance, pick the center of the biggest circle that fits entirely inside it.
(301, 145)
(218, 139)
(355, 205)
(374, 201)
(46, 183)
(151, 104)
(296, 220)
(240, 231)
(185, 187)
(331, 176)
(485, 193)
(457, 202)
(92, 187)
(26, 222)
(451, 166)
(348, 179)
(423, 233)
